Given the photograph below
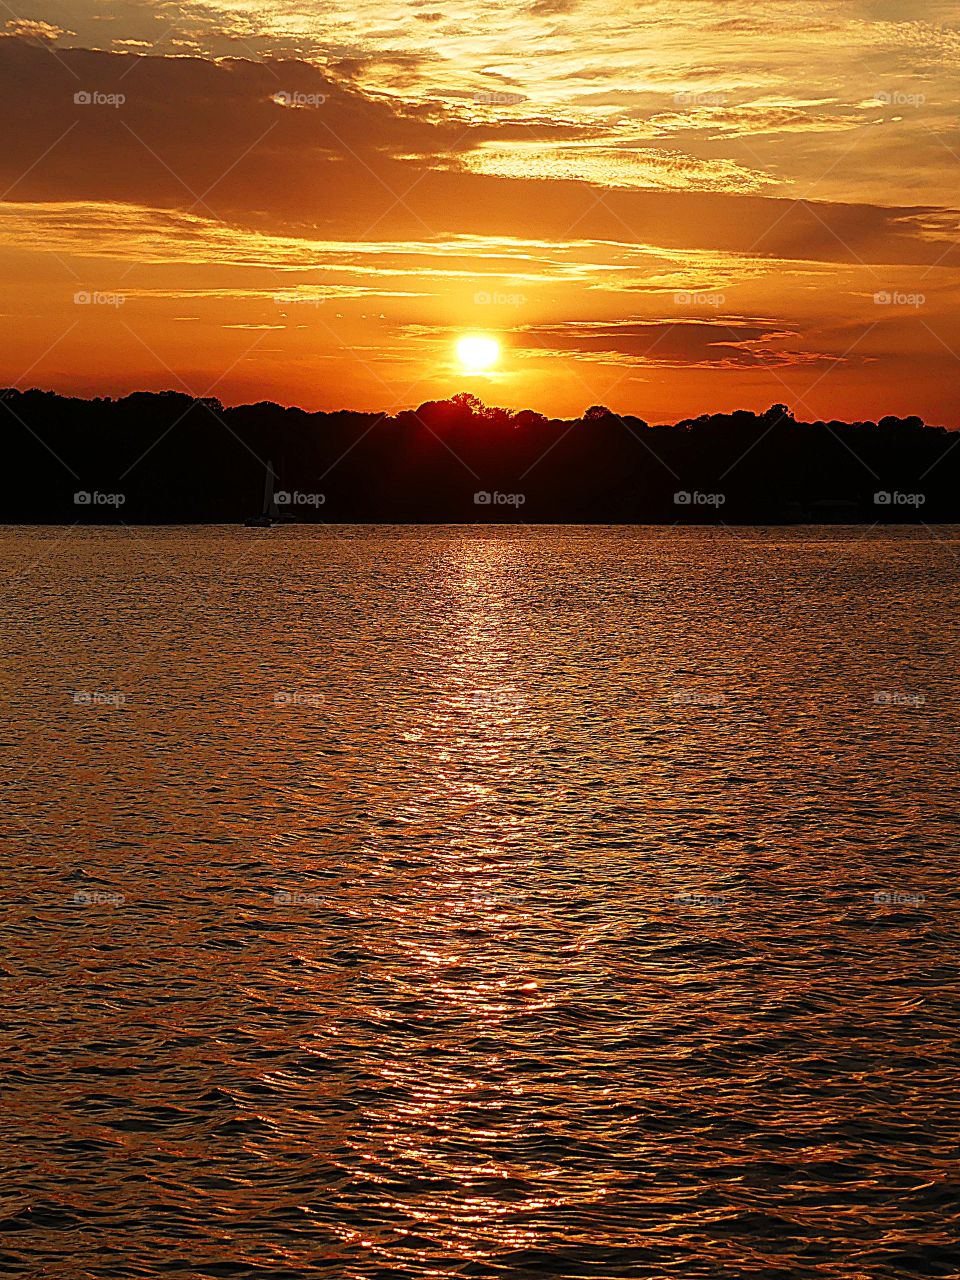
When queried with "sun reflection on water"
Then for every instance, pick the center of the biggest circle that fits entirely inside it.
(578, 965)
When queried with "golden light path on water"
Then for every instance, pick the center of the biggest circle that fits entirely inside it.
(501, 902)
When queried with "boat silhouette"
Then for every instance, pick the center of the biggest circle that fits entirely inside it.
(268, 516)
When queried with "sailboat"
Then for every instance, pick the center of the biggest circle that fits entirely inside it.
(268, 516)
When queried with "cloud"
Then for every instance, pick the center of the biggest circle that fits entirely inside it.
(753, 119)
(615, 166)
(30, 29)
(550, 8)
(210, 139)
(591, 160)
(729, 342)
(937, 44)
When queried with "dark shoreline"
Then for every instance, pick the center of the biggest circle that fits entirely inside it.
(171, 459)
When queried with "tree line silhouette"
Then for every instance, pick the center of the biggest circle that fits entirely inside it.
(169, 458)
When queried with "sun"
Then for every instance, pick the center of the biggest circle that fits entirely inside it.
(477, 352)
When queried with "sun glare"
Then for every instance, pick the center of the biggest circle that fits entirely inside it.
(477, 352)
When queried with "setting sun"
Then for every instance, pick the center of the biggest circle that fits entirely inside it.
(477, 352)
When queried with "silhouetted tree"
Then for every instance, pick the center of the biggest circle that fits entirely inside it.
(467, 401)
(151, 458)
(529, 418)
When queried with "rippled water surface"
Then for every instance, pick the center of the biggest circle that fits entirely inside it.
(385, 903)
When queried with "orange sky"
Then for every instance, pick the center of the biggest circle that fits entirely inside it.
(670, 212)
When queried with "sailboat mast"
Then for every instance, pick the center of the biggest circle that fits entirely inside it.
(269, 506)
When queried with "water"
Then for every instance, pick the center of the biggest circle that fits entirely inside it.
(386, 903)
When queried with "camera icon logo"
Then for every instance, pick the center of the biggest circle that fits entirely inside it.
(82, 498)
(882, 498)
(481, 498)
(682, 498)
(83, 98)
(282, 498)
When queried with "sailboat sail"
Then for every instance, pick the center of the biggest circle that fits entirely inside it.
(268, 513)
(269, 488)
